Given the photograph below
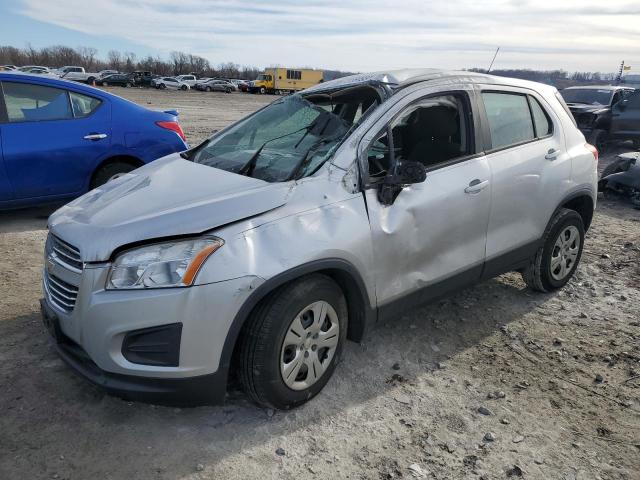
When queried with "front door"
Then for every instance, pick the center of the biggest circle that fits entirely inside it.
(432, 237)
(625, 121)
(53, 139)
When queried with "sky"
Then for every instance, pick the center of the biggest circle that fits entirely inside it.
(351, 35)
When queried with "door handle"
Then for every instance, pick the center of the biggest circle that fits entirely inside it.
(552, 154)
(95, 136)
(476, 186)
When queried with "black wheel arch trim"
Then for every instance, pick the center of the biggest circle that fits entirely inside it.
(582, 191)
(362, 315)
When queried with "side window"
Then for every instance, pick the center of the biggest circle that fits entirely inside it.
(83, 105)
(433, 131)
(34, 103)
(541, 120)
(509, 118)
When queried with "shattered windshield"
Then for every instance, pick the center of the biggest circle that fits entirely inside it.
(289, 139)
(587, 96)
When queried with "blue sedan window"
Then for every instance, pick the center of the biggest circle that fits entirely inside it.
(34, 103)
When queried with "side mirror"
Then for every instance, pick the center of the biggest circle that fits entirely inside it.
(406, 173)
(410, 172)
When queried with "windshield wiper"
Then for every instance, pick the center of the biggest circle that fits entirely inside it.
(248, 168)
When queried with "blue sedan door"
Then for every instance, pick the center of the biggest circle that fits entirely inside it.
(53, 140)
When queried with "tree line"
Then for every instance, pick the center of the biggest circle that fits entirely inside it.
(179, 63)
(558, 78)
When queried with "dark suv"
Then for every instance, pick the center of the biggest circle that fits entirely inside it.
(605, 113)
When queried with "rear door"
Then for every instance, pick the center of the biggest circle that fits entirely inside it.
(53, 139)
(529, 165)
(625, 121)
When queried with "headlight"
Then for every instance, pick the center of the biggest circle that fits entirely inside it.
(169, 264)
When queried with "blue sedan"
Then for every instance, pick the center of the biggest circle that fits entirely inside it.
(59, 139)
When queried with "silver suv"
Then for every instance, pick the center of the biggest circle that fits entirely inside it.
(262, 250)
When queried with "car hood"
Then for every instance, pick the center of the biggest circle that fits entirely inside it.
(169, 197)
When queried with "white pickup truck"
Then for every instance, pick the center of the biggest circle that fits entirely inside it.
(77, 74)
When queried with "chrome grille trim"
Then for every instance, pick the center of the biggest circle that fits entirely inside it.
(62, 294)
(64, 253)
(63, 265)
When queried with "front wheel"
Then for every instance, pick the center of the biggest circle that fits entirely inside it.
(162, 86)
(208, 89)
(183, 87)
(556, 260)
(293, 342)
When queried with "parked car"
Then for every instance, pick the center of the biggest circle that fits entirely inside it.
(8, 67)
(188, 79)
(120, 79)
(593, 108)
(59, 139)
(169, 83)
(28, 68)
(215, 86)
(63, 70)
(104, 73)
(143, 78)
(266, 247)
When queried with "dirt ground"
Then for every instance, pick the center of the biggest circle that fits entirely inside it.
(494, 382)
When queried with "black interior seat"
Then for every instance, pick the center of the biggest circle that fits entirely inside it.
(432, 135)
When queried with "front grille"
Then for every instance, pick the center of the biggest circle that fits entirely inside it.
(65, 253)
(60, 293)
(63, 270)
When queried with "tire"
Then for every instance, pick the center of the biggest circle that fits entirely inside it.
(109, 172)
(264, 349)
(162, 86)
(599, 139)
(208, 89)
(183, 87)
(105, 84)
(541, 274)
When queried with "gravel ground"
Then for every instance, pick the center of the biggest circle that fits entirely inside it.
(493, 382)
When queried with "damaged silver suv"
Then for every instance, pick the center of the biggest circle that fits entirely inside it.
(263, 250)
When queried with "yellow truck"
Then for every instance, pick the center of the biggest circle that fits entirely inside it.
(285, 80)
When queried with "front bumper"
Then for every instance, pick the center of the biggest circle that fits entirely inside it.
(191, 391)
(90, 337)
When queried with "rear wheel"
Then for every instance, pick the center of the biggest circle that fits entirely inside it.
(556, 260)
(208, 89)
(183, 87)
(162, 86)
(293, 342)
(109, 172)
